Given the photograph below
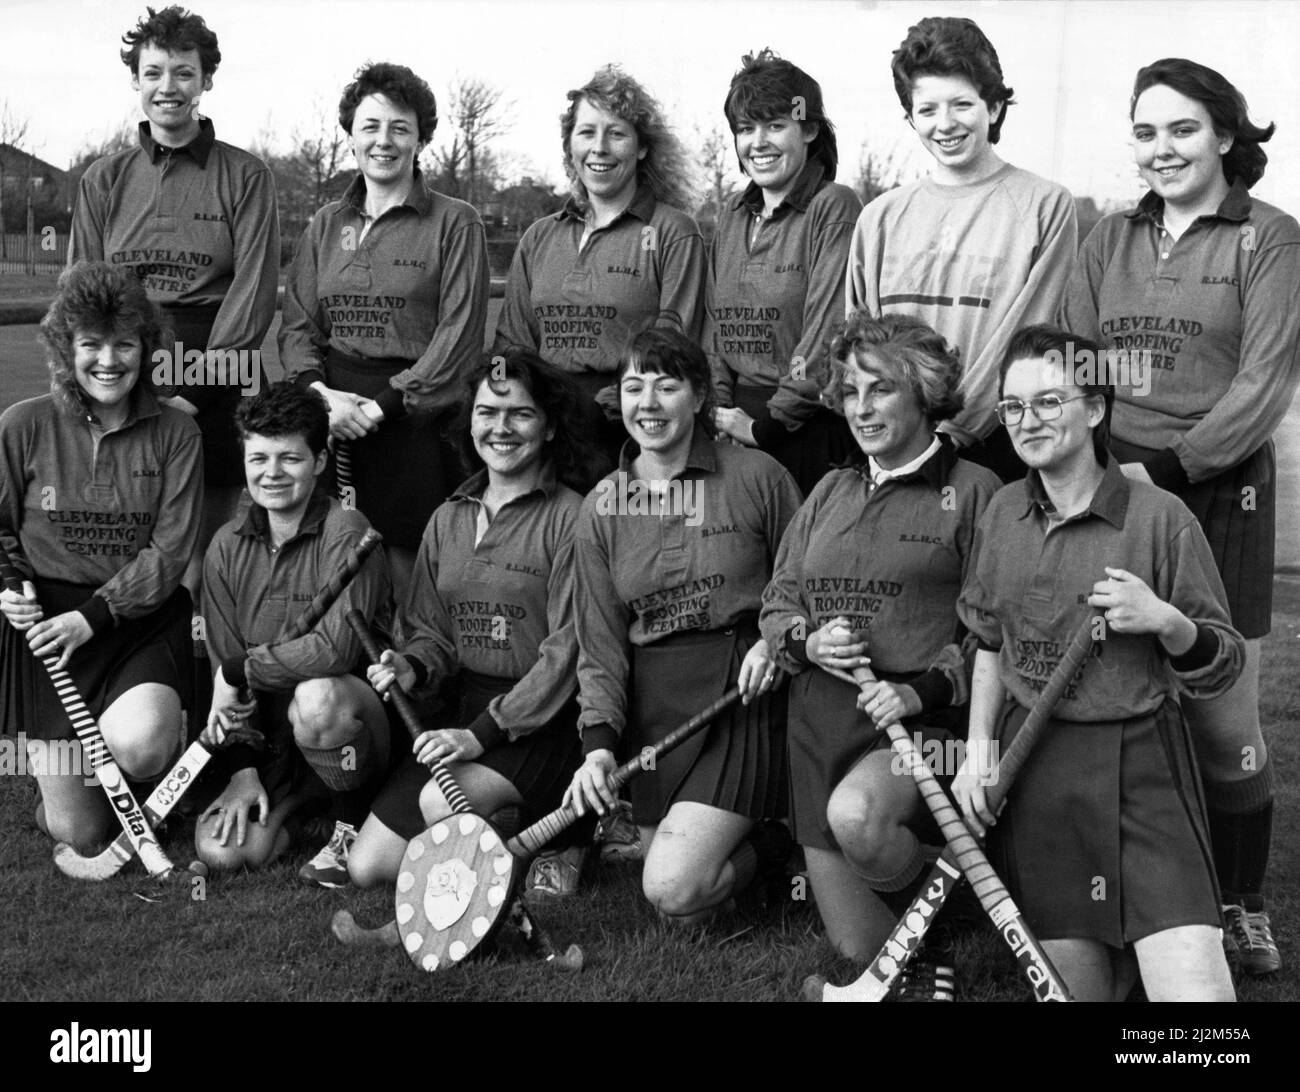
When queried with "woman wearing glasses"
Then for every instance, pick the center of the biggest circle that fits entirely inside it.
(1197, 293)
(869, 572)
(1103, 840)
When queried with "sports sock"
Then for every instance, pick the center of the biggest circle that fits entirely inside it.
(1241, 827)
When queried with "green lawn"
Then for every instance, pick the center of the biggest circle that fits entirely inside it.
(263, 937)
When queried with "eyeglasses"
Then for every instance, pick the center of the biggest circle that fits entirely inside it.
(1046, 407)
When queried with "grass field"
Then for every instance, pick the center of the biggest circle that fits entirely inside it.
(263, 937)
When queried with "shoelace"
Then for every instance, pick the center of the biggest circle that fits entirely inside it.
(1250, 930)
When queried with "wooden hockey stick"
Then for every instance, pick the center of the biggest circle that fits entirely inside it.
(181, 776)
(908, 934)
(95, 750)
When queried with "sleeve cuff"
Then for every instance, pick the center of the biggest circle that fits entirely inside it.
(984, 646)
(1166, 471)
(95, 611)
(797, 650)
(201, 396)
(235, 671)
(392, 402)
(305, 378)
(768, 433)
(238, 756)
(934, 688)
(421, 672)
(1201, 654)
(487, 731)
(599, 737)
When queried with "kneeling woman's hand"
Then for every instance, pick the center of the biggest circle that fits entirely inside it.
(888, 703)
(392, 667)
(978, 770)
(835, 647)
(230, 810)
(446, 745)
(590, 785)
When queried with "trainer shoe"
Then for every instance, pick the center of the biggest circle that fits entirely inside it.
(1248, 941)
(329, 868)
(925, 978)
(556, 875)
(618, 837)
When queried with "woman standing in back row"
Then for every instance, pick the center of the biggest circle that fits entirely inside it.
(1198, 288)
(384, 310)
(621, 256)
(776, 285)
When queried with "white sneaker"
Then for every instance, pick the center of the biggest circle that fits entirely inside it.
(329, 868)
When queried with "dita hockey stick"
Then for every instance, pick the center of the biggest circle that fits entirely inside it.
(95, 750)
(181, 776)
(907, 935)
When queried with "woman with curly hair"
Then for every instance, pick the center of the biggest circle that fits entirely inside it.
(489, 619)
(101, 490)
(869, 572)
(1196, 294)
(384, 310)
(776, 288)
(622, 255)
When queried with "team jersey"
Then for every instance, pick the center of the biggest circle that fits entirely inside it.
(119, 508)
(413, 287)
(1206, 329)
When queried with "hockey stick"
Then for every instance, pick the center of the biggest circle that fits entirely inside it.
(907, 935)
(95, 750)
(191, 763)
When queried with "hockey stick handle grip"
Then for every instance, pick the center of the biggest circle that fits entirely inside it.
(531, 839)
(314, 611)
(451, 792)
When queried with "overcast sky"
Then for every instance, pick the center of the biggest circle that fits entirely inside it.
(1071, 64)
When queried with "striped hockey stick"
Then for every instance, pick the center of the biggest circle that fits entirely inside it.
(180, 777)
(910, 931)
(95, 750)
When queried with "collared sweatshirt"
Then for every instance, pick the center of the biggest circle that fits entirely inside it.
(502, 606)
(891, 559)
(646, 573)
(414, 287)
(577, 306)
(119, 509)
(1028, 589)
(775, 297)
(973, 262)
(198, 225)
(1206, 329)
(252, 590)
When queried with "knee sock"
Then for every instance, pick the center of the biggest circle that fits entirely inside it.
(762, 855)
(906, 877)
(346, 772)
(1241, 827)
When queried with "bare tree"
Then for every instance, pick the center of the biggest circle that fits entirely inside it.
(881, 171)
(13, 132)
(479, 115)
(318, 153)
(715, 160)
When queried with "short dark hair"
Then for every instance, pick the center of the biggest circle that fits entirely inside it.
(399, 85)
(662, 351)
(1225, 105)
(99, 298)
(768, 87)
(952, 47)
(1037, 342)
(174, 29)
(926, 362)
(577, 462)
(284, 409)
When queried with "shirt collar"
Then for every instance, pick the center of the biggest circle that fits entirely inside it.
(642, 207)
(197, 149)
(1235, 207)
(471, 489)
(809, 183)
(879, 474)
(419, 199)
(703, 455)
(1109, 502)
(257, 523)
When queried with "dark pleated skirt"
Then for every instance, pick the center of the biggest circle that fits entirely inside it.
(738, 762)
(402, 471)
(223, 461)
(809, 452)
(1237, 510)
(1104, 834)
(539, 765)
(829, 736)
(157, 648)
